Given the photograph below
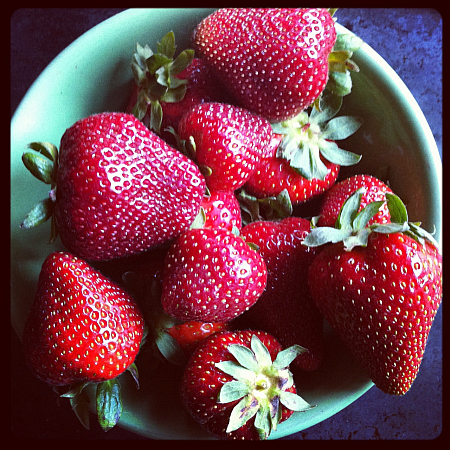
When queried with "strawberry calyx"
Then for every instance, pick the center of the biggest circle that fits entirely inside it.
(351, 226)
(310, 137)
(42, 163)
(156, 77)
(255, 209)
(340, 65)
(261, 385)
(108, 396)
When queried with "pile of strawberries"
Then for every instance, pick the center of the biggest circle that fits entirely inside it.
(177, 217)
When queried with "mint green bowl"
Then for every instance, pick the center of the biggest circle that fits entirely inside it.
(93, 75)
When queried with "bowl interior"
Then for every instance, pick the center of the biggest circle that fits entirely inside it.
(395, 141)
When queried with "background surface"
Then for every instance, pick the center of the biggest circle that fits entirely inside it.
(410, 40)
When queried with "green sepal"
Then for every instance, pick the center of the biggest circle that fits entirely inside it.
(167, 45)
(132, 368)
(341, 127)
(156, 114)
(200, 220)
(294, 402)
(80, 406)
(243, 412)
(245, 356)
(262, 355)
(347, 42)
(233, 390)
(308, 137)
(183, 60)
(263, 422)
(39, 214)
(397, 209)
(139, 62)
(47, 149)
(339, 83)
(255, 209)
(174, 95)
(336, 155)
(40, 167)
(286, 356)
(109, 403)
(170, 349)
(235, 370)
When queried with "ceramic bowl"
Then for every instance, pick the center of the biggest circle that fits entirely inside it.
(394, 140)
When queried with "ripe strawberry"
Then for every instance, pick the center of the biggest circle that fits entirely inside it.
(274, 61)
(228, 142)
(286, 309)
(189, 334)
(222, 210)
(211, 275)
(237, 385)
(335, 197)
(117, 188)
(82, 328)
(273, 175)
(303, 156)
(380, 289)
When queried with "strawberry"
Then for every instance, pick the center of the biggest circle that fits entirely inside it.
(273, 61)
(379, 287)
(189, 334)
(117, 188)
(286, 309)
(222, 210)
(82, 328)
(335, 197)
(273, 175)
(303, 156)
(165, 87)
(237, 385)
(228, 142)
(211, 275)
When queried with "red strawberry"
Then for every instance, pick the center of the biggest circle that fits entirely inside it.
(237, 385)
(82, 328)
(303, 156)
(222, 210)
(286, 309)
(189, 334)
(211, 275)
(273, 175)
(228, 142)
(119, 188)
(380, 289)
(335, 197)
(274, 61)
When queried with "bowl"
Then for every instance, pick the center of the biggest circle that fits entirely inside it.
(395, 140)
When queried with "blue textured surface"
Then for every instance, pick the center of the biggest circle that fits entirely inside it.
(410, 40)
